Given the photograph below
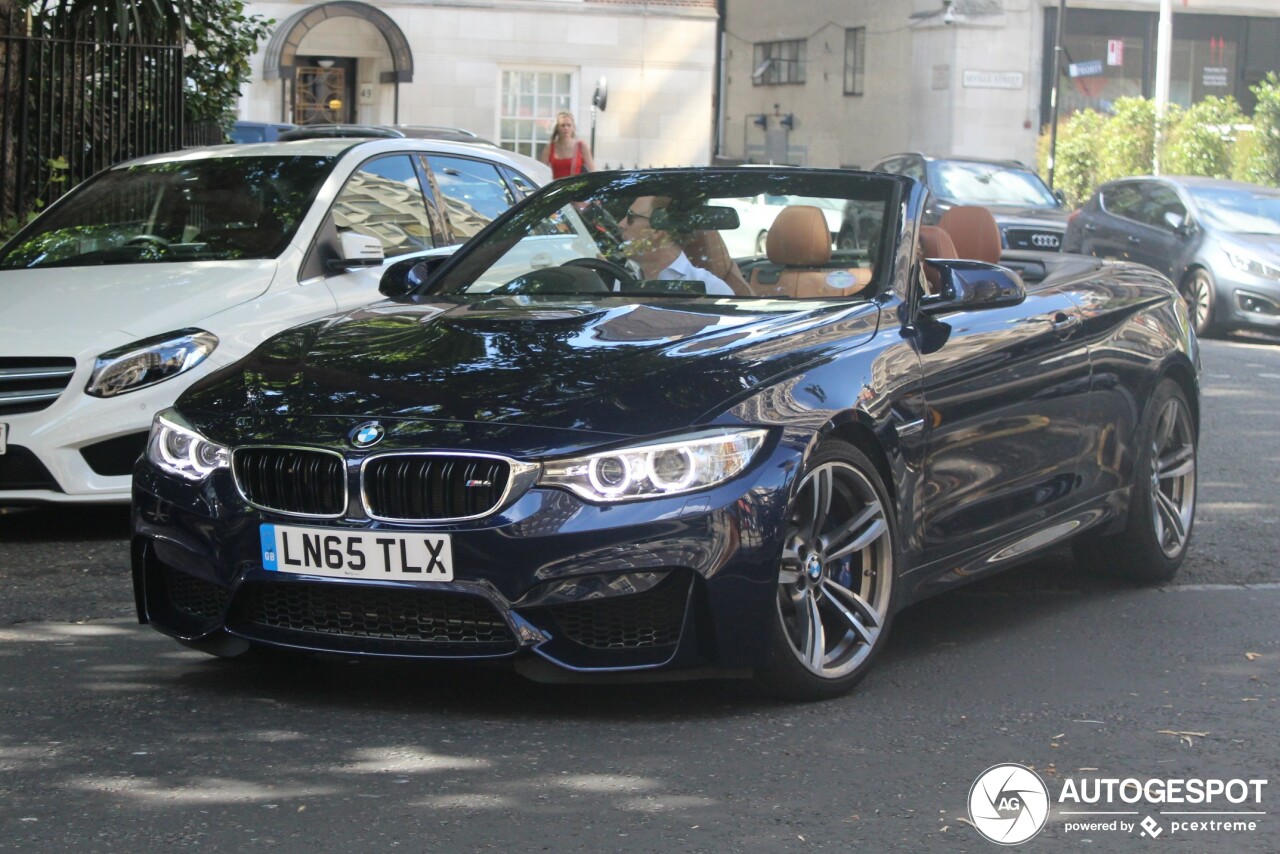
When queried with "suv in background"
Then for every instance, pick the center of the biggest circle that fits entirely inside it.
(156, 272)
(385, 131)
(1029, 214)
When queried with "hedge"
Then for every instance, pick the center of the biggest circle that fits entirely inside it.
(1212, 138)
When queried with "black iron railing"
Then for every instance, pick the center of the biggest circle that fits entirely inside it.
(71, 105)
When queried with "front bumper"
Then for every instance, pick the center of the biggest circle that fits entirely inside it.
(680, 583)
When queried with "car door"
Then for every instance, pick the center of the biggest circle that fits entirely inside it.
(1132, 225)
(1157, 243)
(472, 193)
(385, 198)
(1007, 393)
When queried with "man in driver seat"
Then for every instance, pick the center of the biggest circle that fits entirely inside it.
(657, 251)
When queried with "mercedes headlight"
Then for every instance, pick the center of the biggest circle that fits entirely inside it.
(149, 361)
(655, 469)
(1249, 264)
(177, 448)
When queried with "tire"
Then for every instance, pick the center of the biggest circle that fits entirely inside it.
(837, 573)
(1201, 297)
(1162, 502)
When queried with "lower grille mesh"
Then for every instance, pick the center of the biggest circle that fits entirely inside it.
(418, 616)
(637, 621)
(195, 596)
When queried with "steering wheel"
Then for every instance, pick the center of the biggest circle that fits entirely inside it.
(613, 272)
(147, 240)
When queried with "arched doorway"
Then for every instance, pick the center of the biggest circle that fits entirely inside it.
(322, 77)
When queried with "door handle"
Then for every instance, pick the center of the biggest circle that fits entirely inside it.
(1133, 240)
(1064, 324)
(1089, 227)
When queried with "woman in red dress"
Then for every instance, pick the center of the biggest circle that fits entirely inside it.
(565, 153)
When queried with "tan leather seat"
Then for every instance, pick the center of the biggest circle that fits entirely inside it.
(799, 250)
(706, 249)
(934, 243)
(974, 233)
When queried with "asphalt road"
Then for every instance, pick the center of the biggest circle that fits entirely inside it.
(112, 738)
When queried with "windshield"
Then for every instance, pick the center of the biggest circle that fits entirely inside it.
(212, 209)
(972, 183)
(1239, 210)
(743, 233)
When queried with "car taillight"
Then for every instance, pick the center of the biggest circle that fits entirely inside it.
(1071, 217)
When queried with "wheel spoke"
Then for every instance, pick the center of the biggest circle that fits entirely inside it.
(857, 613)
(789, 572)
(1171, 514)
(816, 642)
(863, 530)
(1179, 463)
(821, 496)
(1164, 428)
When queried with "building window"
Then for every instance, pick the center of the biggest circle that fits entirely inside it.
(527, 112)
(779, 62)
(855, 59)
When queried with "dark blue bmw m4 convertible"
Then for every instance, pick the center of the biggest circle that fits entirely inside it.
(595, 444)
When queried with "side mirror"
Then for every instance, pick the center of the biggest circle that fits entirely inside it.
(356, 250)
(406, 276)
(972, 286)
(1177, 223)
(1061, 197)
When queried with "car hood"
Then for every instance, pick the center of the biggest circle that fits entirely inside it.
(611, 367)
(1266, 246)
(67, 311)
(1019, 215)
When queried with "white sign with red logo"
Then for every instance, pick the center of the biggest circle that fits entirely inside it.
(1115, 51)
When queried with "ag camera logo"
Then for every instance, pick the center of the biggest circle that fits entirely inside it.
(1008, 804)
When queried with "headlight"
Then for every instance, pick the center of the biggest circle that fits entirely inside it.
(150, 361)
(656, 469)
(180, 450)
(1249, 264)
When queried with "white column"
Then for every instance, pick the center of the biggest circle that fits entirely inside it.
(1164, 51)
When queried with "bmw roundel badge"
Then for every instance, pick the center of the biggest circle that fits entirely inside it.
(367, 434)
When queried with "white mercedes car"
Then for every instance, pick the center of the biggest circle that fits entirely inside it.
(161, 270)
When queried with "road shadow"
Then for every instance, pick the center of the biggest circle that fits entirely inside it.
(64, 523)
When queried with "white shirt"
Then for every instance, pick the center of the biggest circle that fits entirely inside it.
(684, 269)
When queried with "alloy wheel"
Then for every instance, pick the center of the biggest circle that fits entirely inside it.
(837, 571)
(1200, 301)
(1173, 477)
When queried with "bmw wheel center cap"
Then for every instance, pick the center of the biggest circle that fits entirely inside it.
(368, 434)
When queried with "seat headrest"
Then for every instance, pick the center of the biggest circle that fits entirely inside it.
(974, 233)
(799, 237)
(936, 243)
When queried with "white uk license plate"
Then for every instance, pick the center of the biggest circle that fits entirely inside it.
(357, 554)
(4, 438)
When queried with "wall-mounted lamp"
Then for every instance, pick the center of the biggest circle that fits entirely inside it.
(788, 121)
(762, 121)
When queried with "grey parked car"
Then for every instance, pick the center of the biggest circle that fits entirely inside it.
(1219, 241)
(1028, 214)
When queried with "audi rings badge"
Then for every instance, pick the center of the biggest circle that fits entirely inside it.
(1045, 241)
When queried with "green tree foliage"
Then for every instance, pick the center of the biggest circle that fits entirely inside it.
(1260, 162)
(1127, 140)
(221, 38)
(1201, 140)
(1212, 138)
(1076, 170)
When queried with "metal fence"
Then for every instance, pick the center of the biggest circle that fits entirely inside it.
(71, 106)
